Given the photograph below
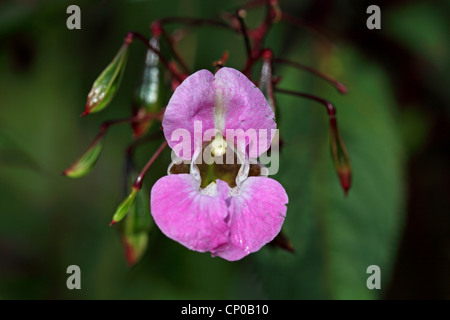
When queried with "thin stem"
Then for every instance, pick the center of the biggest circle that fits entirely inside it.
(273, 13)
(331, 110)
(132, 35)
(138, 182)
(339, 86)
(339, 152)
(258, 35)
(240, 15)
(148, 138)
(135, 119)
(173, 49)
(129, 165)
(250, 62)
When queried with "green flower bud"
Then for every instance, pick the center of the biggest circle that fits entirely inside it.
(149, 94)
(86, 162)
(124, 206)
(106, 85)
(340, 157)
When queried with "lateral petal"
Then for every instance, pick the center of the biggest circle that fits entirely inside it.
(244, 107)
(193, 100)
(256, 215)
(188, 216)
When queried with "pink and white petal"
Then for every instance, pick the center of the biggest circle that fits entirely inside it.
(183, 214)
(256, 215)
(245, 106)
(193, 100)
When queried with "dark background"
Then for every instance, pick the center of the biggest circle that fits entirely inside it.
(394, 120)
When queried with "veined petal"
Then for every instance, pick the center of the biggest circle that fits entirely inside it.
(193, 100)
(226, 101)
(256, 214)
(185, 214)
(244, 107)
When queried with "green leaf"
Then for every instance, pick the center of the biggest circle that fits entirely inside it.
(337, 238)
(106, 85)
(86, 162)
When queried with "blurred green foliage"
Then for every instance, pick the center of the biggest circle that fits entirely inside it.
(49, 222)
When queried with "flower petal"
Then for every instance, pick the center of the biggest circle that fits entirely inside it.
(245, 106)
(193, 100)
(184, 214)
(225, 101)
(256, 215)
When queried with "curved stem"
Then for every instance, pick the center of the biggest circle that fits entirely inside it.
(131, 35)
(140, 178)
(136, 143)
(129, 152)
(240, 15)
(175, 53)
(339, 152)
(339, 86)
(136, 119)
(331, 110)
(258, 35)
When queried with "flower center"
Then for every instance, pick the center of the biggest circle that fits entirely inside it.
(218, 146)
(211, 172)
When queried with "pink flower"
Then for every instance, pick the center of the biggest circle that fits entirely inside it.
(228, 210)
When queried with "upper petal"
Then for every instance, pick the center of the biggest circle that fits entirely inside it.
(184, 214)
(193, 100)
(245, 106)
(225, 101)
(256, 215)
